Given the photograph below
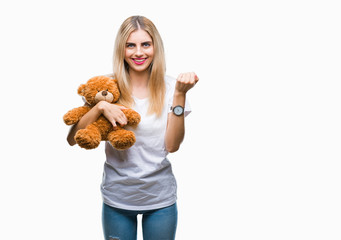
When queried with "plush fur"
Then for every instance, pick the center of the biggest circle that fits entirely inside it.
(97, 89)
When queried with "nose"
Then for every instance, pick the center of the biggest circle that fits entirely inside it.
(138, 51)
(104, 93)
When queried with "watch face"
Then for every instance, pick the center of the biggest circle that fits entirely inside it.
(178, 110)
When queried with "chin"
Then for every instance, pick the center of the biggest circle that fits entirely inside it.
(140, 69)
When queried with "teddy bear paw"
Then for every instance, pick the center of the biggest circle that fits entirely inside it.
(87, 139)
(122, 139)
(70, 120)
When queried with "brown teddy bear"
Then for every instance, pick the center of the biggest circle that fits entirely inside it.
(97, 89)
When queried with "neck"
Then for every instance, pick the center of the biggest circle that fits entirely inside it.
(139, 79)
(139, 83)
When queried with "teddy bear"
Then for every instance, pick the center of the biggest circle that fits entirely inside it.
(102, 88)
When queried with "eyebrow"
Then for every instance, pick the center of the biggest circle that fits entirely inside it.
(150, 42)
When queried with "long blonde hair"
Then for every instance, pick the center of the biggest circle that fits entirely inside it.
(156, 82)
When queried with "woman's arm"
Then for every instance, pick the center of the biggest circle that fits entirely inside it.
(112, 112)
(176, 124)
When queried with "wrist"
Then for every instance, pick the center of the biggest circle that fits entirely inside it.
(178, 105)
(180, 95)
(100, 106)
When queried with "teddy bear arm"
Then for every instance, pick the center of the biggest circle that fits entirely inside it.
(74, 115)
(132, 116)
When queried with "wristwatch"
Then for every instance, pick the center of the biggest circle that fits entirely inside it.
(178, 110)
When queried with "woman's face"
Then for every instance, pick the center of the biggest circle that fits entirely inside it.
(139, 51)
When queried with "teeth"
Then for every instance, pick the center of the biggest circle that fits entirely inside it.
(139, 60)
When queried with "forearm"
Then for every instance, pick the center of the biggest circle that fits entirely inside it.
(176, 125)
(87, 119)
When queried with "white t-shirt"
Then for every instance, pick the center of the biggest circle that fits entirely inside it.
(141, 177)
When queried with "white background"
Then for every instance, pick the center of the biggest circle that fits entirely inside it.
(261, 158)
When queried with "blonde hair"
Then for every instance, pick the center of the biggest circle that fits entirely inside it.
(156, 83)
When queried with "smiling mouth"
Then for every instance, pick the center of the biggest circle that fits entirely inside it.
(139, 61)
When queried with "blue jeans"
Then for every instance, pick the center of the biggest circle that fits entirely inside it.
(158, 224)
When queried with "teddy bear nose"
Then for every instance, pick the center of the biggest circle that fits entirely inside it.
(104, 93)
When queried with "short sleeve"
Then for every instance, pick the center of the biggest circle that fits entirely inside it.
(83, 98)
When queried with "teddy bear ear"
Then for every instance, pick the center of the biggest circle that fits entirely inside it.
(81, 89)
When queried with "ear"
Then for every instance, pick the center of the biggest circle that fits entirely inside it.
(81, 89)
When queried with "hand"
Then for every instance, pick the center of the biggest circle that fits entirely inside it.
(113, 113)
(185, 82)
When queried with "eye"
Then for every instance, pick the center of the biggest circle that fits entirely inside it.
(146, 44)
(130, 45)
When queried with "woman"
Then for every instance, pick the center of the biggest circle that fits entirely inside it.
(140, 180)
